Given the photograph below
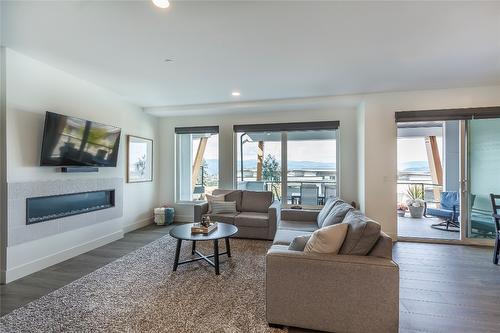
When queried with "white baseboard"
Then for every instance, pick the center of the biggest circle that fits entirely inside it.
(44, 262)
(137, 225)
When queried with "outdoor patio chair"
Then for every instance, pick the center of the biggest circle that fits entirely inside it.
(495, 202)
(329, 190)
(449, 210)
(309, 194)
(258, 186)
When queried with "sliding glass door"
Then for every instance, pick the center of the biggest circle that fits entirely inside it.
(311, 175)
(483, 171)
(297, 162)
(259, 161)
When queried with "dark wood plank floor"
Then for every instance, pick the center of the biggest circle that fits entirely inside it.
(447, 288)
(443, 288)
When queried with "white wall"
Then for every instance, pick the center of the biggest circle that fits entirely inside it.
(380, 140)
(368, 141)
(33, 88)
(184, 212)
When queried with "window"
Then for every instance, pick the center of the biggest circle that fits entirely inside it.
(297, 162)
(197, 162)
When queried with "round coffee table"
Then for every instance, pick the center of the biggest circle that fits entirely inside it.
(183, 232)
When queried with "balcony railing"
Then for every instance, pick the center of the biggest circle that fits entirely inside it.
(431, 191)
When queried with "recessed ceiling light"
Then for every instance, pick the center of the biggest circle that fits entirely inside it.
(236, 93)
(161, 3)
(168, 60)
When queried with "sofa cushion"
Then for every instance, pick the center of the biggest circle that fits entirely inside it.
(230, 195)
(211, 198)
(337, 214)
(327, 239)
(383, 247)
(256, 201)
(298, 225)
(236, 197)
(326, 210)
(299, 243)
(252, 219)
(223, 218)
(362, 234)
(219, 207)
(285, 237)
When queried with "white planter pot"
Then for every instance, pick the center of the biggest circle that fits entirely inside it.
(416, 212)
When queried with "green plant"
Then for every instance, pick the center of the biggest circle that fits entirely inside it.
(415, 192)
(271, 169)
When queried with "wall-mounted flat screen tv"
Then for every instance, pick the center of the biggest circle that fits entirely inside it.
(70, 141)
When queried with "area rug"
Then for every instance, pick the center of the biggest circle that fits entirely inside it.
(140, 293)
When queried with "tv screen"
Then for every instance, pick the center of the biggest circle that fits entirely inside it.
(70, 141)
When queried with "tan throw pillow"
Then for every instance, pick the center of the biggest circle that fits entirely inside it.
(214, 198)
(327, 240)
(223, 207)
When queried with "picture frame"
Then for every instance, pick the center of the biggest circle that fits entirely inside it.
(139, 159)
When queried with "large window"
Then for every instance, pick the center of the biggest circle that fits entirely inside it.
(296, 161)
(197, 157)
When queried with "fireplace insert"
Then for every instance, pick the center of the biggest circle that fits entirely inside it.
(40, 209)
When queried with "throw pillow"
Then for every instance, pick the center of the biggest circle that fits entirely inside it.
(299, 243)
(362, 234)
(214, 198)
(327, 240)
(326, 210)
(223, 207)
(337, 214)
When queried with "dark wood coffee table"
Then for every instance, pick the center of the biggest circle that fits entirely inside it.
(183, 232)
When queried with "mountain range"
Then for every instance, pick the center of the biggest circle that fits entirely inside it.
(212, 165)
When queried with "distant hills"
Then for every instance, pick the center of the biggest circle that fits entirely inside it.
(312, 165)
(414, 166)
(252, 164)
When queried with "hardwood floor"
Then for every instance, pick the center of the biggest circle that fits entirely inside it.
(447, 288)
(443, 288)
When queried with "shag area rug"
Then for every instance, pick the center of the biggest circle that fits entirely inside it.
(140, 293)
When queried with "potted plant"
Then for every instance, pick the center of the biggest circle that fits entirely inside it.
(416, 203)
(402, 208)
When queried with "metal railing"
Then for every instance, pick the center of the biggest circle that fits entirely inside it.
(428, 189)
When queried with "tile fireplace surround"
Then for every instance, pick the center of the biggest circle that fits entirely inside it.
(19, 232)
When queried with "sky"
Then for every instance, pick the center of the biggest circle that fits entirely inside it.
(413, 149)
(409, 149)
(315, 151)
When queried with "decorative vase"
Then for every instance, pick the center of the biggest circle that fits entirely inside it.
(401, 213)
(416, 212)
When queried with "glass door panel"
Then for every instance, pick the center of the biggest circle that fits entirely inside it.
(311, 167)
(483, 138)
(259, 162)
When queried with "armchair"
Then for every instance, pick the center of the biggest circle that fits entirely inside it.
(449, 211)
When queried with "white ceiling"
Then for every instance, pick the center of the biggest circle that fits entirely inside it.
(267, 50)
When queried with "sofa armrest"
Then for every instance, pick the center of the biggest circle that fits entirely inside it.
(300, 215)
(341, 293)
(274, 212)
(199, 210)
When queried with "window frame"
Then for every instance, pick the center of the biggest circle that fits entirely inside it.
(178, 162)
(284, 155)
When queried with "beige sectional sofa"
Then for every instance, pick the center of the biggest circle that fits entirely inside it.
(354, 291)
(256, 215)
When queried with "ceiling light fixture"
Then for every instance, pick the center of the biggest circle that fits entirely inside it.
(236, 93)
(161, 3)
